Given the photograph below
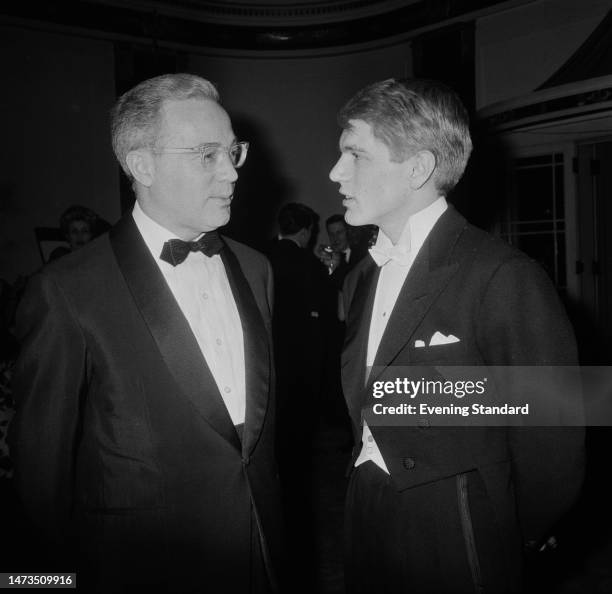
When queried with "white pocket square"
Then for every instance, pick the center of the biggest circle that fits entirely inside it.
(419, 344)
(438, 338)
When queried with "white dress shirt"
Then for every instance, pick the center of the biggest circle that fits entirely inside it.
(202, 291)
(393, 273)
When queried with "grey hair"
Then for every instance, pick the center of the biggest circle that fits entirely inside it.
(409, 115)
(135, 117)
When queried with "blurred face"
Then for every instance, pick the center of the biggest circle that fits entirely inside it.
(79, 233)
(184, 197)
(338, 237)
(374, 187)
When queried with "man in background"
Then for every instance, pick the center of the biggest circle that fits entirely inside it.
(303, 306)
(348, 253)
(303, 302)
(144, 431)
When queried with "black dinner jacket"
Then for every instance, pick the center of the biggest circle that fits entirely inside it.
(121, 440)
(338, 276)
(505, 311)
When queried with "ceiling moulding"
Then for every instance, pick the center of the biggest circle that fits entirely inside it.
(252, 14)
(547, 106)
(581, 87)
(145, 24)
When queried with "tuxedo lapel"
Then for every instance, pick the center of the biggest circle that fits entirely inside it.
(355, 349)
(431, 271)
(256, 351)
(169, 327)
(417, 295)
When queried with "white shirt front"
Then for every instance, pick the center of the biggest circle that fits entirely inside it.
(392, 276)
(203, 293)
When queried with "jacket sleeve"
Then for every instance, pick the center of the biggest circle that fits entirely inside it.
(522, 322)
(49, 383)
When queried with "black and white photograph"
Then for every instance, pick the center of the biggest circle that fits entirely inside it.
(306, 296)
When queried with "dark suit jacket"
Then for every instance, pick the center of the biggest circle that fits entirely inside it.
(302, 291)
(304, 302)
(505, 311)
(121, 440)
(338, 276)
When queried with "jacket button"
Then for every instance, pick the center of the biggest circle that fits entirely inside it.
(408, 463)
(246, 460)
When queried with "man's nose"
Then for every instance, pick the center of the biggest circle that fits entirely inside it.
(226, 170)
(333, 174)
(338, 172)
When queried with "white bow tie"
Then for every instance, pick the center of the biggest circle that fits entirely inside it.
(381, 255)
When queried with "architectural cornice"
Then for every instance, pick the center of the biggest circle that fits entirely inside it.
(561, 103)
(168, 24)
(253, 13)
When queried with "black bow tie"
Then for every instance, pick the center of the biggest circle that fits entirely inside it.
(176, 250)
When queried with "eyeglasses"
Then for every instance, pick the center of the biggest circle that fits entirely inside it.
(211, 153)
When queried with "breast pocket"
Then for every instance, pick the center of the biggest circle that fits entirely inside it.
(455, 353)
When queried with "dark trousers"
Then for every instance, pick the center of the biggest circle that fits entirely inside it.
(440, 537)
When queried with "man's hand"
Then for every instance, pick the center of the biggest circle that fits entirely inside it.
(328, 257)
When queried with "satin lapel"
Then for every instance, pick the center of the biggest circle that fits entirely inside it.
(256, 351)
(418, 293)
(355, 349)
(429, 274)
(169, 328)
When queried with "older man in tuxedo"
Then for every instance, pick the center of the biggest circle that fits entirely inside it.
(143, 436)
(433, 509)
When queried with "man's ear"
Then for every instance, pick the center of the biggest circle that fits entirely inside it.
(304, 236)
(141, 165)
(421, 167)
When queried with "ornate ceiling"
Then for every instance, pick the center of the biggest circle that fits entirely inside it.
(278, 12)
(248, 24)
